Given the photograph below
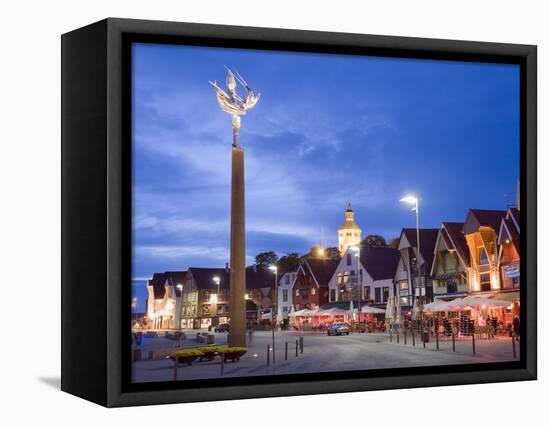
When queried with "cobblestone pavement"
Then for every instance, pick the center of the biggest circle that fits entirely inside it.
(321, 354)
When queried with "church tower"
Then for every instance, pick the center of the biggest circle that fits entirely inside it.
(349, 234)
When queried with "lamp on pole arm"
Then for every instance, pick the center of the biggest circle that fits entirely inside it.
(409, 199)
(216, 280)
(274, 300)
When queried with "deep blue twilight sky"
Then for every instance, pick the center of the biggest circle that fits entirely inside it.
(328, 129)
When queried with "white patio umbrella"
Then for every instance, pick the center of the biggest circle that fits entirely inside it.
(351, 308)
(336, 311)
(372, 310)
(279, 314)
(397, 310)
(436, 306)
(390, 310)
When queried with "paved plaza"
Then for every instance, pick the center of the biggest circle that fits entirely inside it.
(321, 353)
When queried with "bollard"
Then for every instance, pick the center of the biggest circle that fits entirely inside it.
(514, 345)
(286, 351)
(412, 332)
(176, 362)
(405, 336)
(390, 336)
(423, 339)
(301, 345)
(453, 334)
(397, 336)
(222, 357)
(296, 348)
(268, 355)
(437, 339)
(473, 343)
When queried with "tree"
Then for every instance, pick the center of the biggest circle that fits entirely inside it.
(374, 241)
(288, 262)
(317, 252)
(394, 242)
(265, 259)
(332, 253)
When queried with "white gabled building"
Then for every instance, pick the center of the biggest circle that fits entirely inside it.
(376, 272)
(284, 292)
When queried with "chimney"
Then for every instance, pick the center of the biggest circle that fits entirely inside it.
(227, 267)
(254, 268)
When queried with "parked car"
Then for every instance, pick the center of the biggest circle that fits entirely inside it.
(337, 329)
(221, 328)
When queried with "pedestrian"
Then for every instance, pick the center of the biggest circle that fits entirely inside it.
(515, 327)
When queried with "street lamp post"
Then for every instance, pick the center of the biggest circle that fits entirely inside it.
(180, 288)
(273, 303)
(216, 280)
(357, 250)
(414, 201)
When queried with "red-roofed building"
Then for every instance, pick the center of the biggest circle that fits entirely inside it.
(451, 261)
(481, 229)
(509, 249)
(311, 286)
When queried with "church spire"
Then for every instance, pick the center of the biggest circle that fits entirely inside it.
(350, 214)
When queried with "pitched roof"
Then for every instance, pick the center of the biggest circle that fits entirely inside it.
(322, 269)
(454, 231)
(259, 278)
(476, 218)
(160, 278)
(428, 237)
(204, 278)
(515, 216)
(380, 262)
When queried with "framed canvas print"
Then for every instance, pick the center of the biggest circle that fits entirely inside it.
(253, 212)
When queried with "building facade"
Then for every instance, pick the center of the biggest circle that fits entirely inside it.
(284, 295)
(410, 281)
(163, 300)
(311, 286)
(372, 276)
(509, 250)
(450, 263)
(481, 229)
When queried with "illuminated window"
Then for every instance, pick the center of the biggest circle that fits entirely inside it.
(485, 281)
(297, 292)
(366, 293)
(313, 292)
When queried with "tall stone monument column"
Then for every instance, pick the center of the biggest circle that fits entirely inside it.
(237, 274)
(236, 106)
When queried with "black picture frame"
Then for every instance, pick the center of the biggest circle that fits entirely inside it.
(96, 191)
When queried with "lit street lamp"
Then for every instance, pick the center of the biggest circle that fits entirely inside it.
(274, 301)
(409, 199)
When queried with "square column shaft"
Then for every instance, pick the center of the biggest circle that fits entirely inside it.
(237, 277)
